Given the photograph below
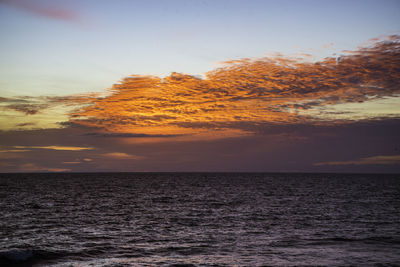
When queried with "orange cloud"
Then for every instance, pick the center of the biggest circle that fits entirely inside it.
(31, 167)
(121, 155)
(230, 101)
(252, 92)
(66, 148)
(11, 154)
(14, 150)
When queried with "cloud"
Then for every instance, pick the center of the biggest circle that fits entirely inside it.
(25, 113)
(275, 90)
(130, 135)
(12, 153)
(25, 124)
(328, 45)
(121, 155)
(14, 150)
(376, 160)
(31, 167)
(12, 100)
(7, 154)
(68, 148)
(26, 105)
(65, 148)
(49, 11)
(28, 109)
(33, 105)
(236, 99)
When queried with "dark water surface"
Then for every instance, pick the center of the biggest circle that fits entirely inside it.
(209, 219)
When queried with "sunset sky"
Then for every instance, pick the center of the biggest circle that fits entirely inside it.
(296, 86)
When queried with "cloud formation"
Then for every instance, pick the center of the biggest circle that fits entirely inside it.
(27, 109)
(121, 155)
(245, 92)
(13, 150)
(28, 106)
(31, 167)
(52, 12)
(24, 112)
(64, 148)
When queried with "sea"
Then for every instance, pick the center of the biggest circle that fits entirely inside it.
(199, 219)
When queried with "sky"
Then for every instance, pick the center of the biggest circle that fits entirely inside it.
(263, 86)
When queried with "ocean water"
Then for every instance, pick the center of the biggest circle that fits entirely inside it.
(199, 219)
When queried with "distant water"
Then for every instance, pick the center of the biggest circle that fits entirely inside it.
(200, 219)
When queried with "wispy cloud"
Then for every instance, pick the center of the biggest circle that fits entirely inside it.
(65, 148)
(12, 153)
(28, 109)
(25, 124)
(48, 11)
(376, 160)
(130, 135)
(34, 105)
(14, 150)
(26, 105)
(31, 167)
(121, 155)
(24, 112)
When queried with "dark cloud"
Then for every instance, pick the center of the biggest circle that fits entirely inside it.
(12, 100)
(26, 104)
(28, 109)
(26, 124)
